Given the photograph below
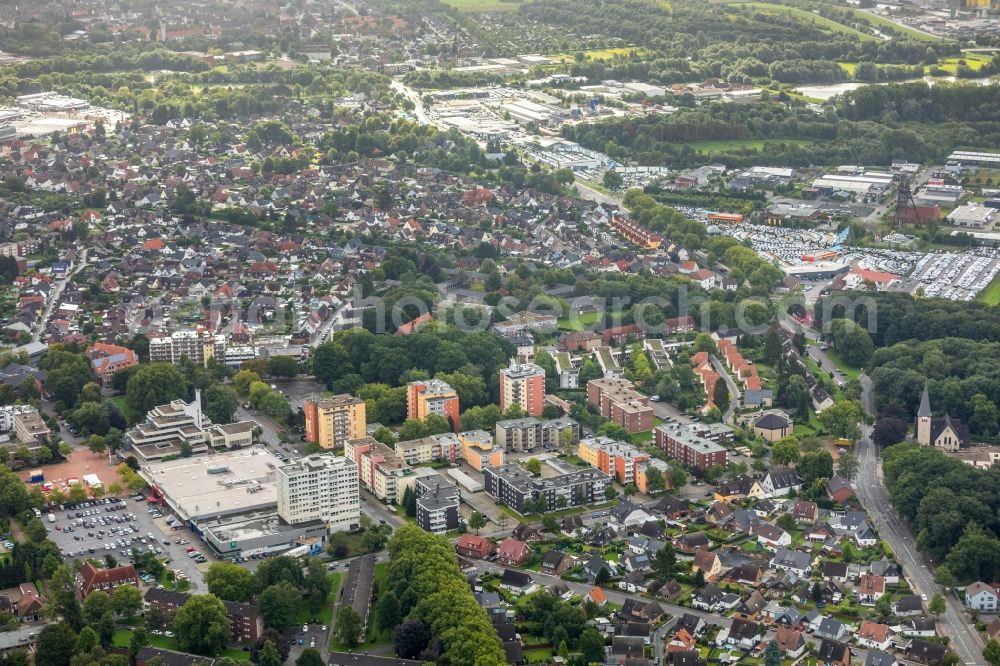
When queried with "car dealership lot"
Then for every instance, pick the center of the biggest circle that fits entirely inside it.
(116, 526)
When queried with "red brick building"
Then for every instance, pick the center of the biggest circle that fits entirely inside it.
(619, 401)
(470, 545)
(691, 450)
(245, 623)
(91, 579)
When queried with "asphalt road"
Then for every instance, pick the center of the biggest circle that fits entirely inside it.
(875, 500)
(734, 390)
(55, 296)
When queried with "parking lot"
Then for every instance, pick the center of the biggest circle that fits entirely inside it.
(115, 527)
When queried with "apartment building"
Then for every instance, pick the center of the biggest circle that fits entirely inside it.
(199, 346)
(320, 487)
(380, 470)
(437, 504)
(519, 435)
(445, 446)
(107, 360)
(523, 385)
(612, 457)
(479, 450)
(30, 428)
(245, 622)
(514, 486)
(332, 420)
(692, 450)
(618, 400)
(432, 396)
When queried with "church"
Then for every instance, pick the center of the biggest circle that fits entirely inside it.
(943, 432)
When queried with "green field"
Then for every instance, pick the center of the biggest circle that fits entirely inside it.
(991, 295)
(578, 322)
(485, 5)
(886, 23)
(123, 637)
(123, 407)
(974, 61)
(710, 147)
(806, 16)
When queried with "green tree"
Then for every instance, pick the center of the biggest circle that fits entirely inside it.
(388, 611)
(937, 604)
(201, 625)
(230, 582)
(477, 521)
(220, 402)
(847, 465)
(317, 585)
(665, 562)
(55, 645)
(612, 179)
(982, 415)
(309, 657)
(348, 626)
(534, 465)
(278, 605)
(591, 646)
(86, 641)
(720, 395)
(772, 654)
(154, 384)
(842, 418)
(991, 653)
(268, 655)
(243, 379)
(786, 451)
(126, 600)
(589, 370)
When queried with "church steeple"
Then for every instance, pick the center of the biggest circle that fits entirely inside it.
(924, 419)
(925, 403)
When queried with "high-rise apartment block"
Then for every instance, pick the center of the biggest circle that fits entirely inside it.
(523, 385)
(198, 346)
(332, 420)
(320, 487)
(432, 396)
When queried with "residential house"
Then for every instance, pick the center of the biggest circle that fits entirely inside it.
(828, 627)
(805, 512)
(832, 653)
(597, 596)
(795, 561)
(874, 635)
(513, 553)
(908, 605)
(741, 634)
(925, 651)
(708, 563)
(779, 481)
(477, 547)
(556, 562)
(772, 536)
(791, 641)
(690, 542)
(871, 588)
(877, 658)
(981, 597)
(517, 582)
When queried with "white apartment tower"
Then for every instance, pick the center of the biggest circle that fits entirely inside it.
(320, 487)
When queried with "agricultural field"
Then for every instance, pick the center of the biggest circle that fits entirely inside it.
(974, 61)
(601, 54)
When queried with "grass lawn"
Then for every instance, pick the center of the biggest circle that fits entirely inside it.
(129, 413)
(808, 17)
(325, 614)
(991, 295)
(848, 371)
(888, 23)
(600, 54)
(578, 322)
(353, 543)
(123, 637)
(542, 656)
(485, 5)
(710, 147)
(974, 61)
